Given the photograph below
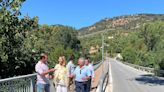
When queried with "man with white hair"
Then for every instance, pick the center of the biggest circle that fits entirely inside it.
(82, 75)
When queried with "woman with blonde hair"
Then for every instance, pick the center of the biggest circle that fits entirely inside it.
(60, 75)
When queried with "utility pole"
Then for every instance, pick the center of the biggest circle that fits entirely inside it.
(102, 51)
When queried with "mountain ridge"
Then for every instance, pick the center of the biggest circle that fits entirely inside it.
(128, 22)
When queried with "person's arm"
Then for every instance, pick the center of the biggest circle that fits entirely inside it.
(47, 72)
(69, 69)
(73, 74)
(93, 72)
(56, 68)
(41, 72)
(88, 77)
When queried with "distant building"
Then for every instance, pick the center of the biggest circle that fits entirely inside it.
(93, 50)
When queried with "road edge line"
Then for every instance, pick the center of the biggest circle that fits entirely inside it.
(110, 78)
(110, 82)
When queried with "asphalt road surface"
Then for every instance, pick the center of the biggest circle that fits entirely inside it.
(128, 79)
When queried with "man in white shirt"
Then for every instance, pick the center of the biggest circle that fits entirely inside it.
(70, 67)
(91, 70)
(43, 84)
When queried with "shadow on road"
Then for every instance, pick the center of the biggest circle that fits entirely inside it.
(150, 79)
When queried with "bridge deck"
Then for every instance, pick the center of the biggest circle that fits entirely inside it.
(128, 79)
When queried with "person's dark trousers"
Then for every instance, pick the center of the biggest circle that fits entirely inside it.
(80, 86)
(88, 85)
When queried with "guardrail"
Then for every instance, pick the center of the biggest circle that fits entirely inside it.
(103, 82)
(25, 83)
(147, 69)
(97, 65)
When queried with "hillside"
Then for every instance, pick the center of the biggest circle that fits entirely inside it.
(128, 22)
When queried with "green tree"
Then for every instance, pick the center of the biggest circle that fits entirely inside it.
(13, 30)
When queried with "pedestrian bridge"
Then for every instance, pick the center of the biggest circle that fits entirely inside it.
(27, 83)
(111, 76)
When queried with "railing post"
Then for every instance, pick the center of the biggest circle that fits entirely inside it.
(32, 85)
(11, 88)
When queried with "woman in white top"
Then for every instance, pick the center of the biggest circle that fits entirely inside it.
(60, 75)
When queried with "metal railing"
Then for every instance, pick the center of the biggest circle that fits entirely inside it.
(103, 82)
(24, 83)
(147, 69)
(97, 65)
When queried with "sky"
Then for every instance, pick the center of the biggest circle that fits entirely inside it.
(81, 13)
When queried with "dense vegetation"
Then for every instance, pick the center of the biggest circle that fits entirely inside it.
(139, 38)
(14, 58)
(22, 40)
(144, 46)
(56, 40)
